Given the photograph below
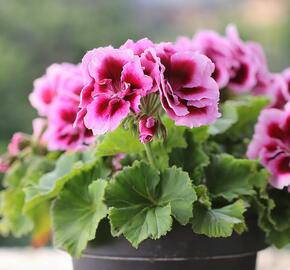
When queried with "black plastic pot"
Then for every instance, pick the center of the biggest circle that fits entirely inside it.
(181, 249)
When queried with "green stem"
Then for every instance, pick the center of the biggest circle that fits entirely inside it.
(149, 154)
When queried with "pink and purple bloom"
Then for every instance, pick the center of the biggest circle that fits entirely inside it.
(64, 83)
(271, 144)
(147, 129)
(115, 84)
(145, 49)
(244, 64)
(218, 49)
(277, 91)
(61, 134)
(188, 93)
(4, 167)
(18, 141)
(59, 79)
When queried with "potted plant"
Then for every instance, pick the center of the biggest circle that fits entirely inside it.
(169, 155)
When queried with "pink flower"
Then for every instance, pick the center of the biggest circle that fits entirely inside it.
(116, 162)
(286, 76)
(38, 127)
(263, 76)
(145, 49)
(18, 142)
(280, 168)
(3, 166)
(61, 134)
(185, 44)
(271, 144)
(189, 94)
(147, 129)
(277, 91)
(64, 79)
(116, 83)
(218, 49)
(244, 66)
(139, 46)
(64, 82)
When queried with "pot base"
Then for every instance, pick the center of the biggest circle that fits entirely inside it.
(247, 262)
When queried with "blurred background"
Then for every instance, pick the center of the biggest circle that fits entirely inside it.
(36, 33)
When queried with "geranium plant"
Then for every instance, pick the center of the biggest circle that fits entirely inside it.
(195, 131)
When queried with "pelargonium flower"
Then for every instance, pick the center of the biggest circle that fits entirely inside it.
(244, 66)
(61, 134)
(18, 141)
(116, 162)
(64, 82)
(115, 84)
(38, 127)
(59, 79)
(145, 49)
(271, 144)
(264, 81)
(218, 49)
(183, 43)
(277, 91)
(139, 46)
(147, 129)
(188, 94)
(4, 167)
(286, 76)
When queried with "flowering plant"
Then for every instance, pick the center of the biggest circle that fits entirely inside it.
(196, 131)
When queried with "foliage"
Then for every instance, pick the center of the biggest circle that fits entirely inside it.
(142, 201)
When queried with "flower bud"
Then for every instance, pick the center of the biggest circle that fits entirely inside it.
(147, 129)
(18, 142)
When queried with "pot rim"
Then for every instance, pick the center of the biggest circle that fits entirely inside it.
(194, 258)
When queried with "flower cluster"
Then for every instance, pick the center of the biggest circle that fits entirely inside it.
(140, 92)
(118, 80)
(271, 143)
(240, 66)
(139, 79)
(56, 96)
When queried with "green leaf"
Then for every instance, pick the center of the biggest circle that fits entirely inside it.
(175, 135)
(119, 141)
(50, 184)
(219, 222)
(193, 159)
(231, 178)
(140, 223)
(229, 117)
(77, 211)
(235, 139)
(203, 196)
(142, 201)
(274, 217)
(279, 238)
(161, 155)
(174, 139)
(36, 169)
(12, 219)
(200, 134)
(174, 179)
(281, 212)
(15, 174)
(248, 111)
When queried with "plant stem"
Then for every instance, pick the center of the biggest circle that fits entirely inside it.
(149, 154)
